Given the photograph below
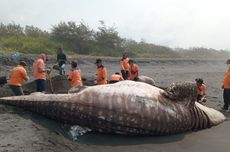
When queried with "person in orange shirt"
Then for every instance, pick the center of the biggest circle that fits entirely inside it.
(226, 87)
(16, 78)
(39, 69)
(124, 63)
(101, 73)
(133, 70)
(201, 90)
(115, 78)
(75, 75)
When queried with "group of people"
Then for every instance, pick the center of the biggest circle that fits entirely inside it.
(19, 74)
(129, 71)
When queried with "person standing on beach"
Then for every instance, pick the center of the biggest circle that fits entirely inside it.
(39, 69)
(124, 63)
(61, 59)
(226, 87)
(16, 78)
(133, 70)
(101, 73)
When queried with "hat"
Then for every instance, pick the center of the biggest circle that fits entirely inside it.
(98, 61)
(23, 63)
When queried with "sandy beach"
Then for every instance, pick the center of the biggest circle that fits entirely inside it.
(23, 131)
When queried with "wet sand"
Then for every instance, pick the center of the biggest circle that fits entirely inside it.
(25, 131)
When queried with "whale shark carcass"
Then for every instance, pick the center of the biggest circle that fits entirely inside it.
(126, 107)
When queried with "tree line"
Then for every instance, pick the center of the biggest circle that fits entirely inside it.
(81, 39)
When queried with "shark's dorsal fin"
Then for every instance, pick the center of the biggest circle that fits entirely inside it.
(182, 92)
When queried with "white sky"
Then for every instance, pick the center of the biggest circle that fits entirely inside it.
(173, 23)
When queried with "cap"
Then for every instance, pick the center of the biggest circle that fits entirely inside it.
(98, 61)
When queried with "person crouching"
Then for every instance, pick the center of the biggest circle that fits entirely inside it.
(201, 89)
(115, 78)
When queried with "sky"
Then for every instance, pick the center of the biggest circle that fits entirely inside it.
(172, 23)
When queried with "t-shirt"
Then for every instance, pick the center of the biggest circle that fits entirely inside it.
(125, 64)
(133, 71)
(101, 75)
(17, 76)
(61, 58)
(39, 63)
(227, 79)
(201, 89)
(116, 77)
(75, 77)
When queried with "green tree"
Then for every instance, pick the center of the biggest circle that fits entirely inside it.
(108, 36)
(76, 37)
(35, 32)
(10, 29)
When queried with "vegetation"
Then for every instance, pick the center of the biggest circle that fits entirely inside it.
(81, 39)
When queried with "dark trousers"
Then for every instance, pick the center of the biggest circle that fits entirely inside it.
(3, 80)
(41, 85)
(226, 96)
(17, 90)
(113, 81)
(125, 74)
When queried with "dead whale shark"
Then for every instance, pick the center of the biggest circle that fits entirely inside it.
(126, 107)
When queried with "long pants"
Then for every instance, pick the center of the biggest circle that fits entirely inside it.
(41, 85)
(125, 74)
(226, 96)
(17, 90)
(113, 81)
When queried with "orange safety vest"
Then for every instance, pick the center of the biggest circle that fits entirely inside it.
(116, 77)
(201, 89)
(39, 63)
(17, 76)
(101, 75)
(133, 71)
(125, 64)
(227, 79)
(75, 77)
